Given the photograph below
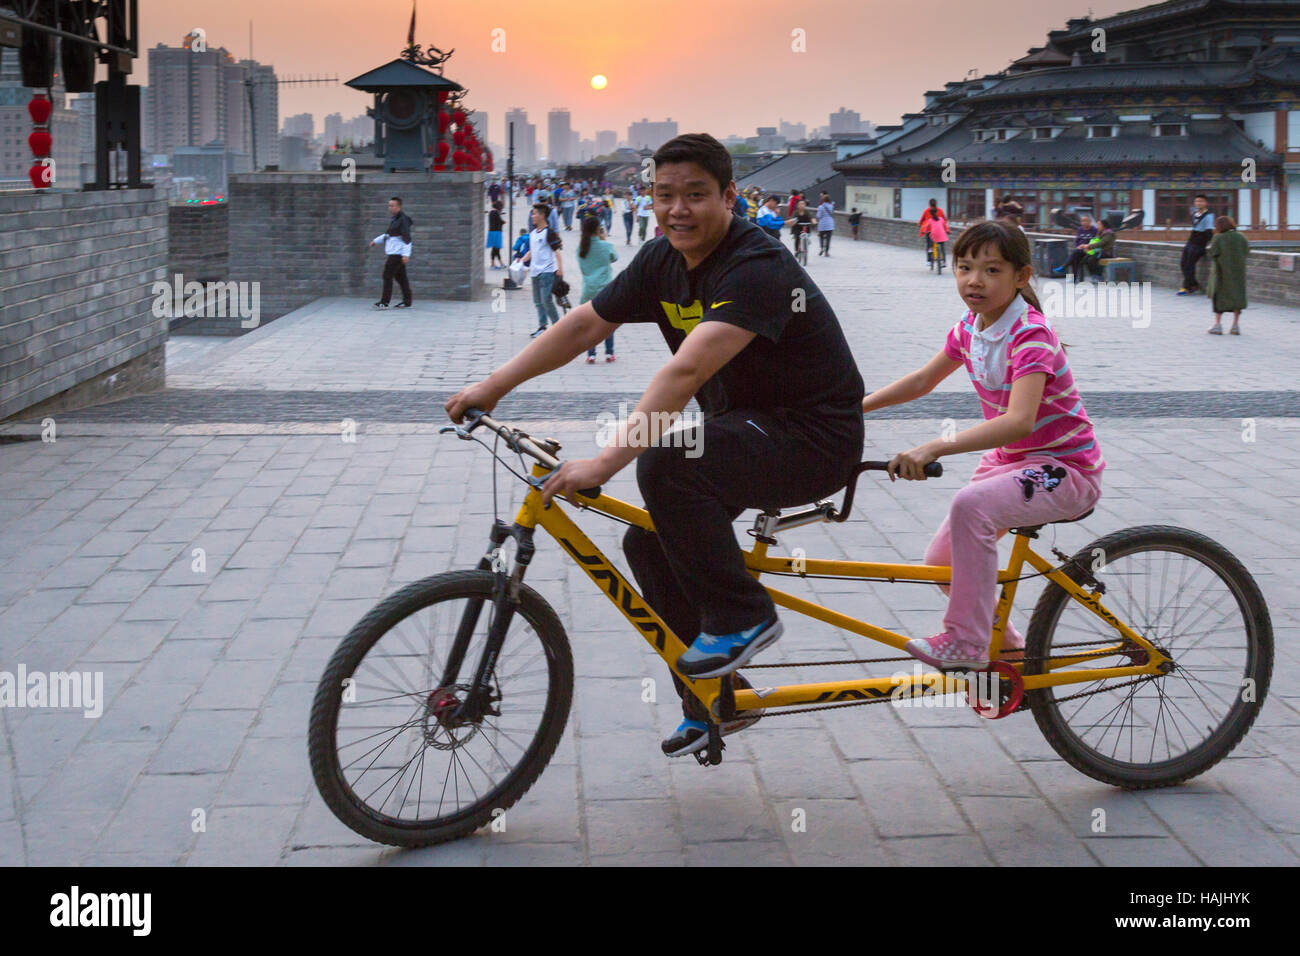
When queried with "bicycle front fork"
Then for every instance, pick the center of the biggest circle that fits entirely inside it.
(505, 598)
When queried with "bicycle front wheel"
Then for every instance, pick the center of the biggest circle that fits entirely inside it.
(1193, 600)
(391, 753)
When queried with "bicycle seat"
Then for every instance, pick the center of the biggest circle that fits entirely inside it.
(1037, 527)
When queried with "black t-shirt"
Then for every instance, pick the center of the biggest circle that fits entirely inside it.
(798, 360)
(495, 221)
(802, 223)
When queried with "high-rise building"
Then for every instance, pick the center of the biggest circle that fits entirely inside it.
(333, 128)
(606, 141)
(846, 121)
(793, 131)
(202, 96)
(525, 137)
(648, 135)
(480, 120)
(300, 124)
(586, 149)
(266, 107)
(559, 138)
(360, 129)
(16, 125)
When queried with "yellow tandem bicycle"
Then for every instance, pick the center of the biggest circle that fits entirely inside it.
(1148, 657)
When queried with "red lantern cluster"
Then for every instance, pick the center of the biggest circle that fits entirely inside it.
(42, 171)
(464, 152)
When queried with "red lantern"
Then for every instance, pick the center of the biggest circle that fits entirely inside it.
(442, 96)
(443, 148)
(458, 137)
(458, 157)
(40, 108)
(40, 176)
(458, 117)
(440, 167)
(40, 142)
(443, 122)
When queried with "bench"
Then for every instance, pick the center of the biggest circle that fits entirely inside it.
(1118, 270)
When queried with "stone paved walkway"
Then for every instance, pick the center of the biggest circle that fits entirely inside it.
(208, 673)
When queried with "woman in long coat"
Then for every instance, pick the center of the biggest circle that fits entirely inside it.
(1227, 286)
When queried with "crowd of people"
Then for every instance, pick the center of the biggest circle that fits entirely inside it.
(563, 201)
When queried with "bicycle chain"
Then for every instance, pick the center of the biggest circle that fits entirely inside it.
(886, 700)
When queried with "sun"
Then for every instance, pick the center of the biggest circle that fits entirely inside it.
(598, 81)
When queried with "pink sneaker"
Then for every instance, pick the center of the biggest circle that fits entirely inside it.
(944, 652)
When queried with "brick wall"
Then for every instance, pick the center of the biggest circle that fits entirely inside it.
(303, 235)
(76, 319)
(198, 241)
(1272, 277)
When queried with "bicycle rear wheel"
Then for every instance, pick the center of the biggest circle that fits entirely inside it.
(390, 754)
(1191, 598)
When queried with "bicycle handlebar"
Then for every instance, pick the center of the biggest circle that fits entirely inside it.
(520, 442)
(524, 444)
(932, 470)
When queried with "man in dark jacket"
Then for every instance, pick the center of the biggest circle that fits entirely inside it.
(397, 247)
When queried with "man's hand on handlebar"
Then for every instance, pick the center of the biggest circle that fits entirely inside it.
(575, 475)
(480, 396)
(911, 464)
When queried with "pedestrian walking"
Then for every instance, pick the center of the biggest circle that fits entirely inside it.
(397, 249)
(595, 255)
(544, 266)
(825, 224)
(494, 237)
(568, 203)
(643, 206)
(855, 221)
(629, 214)
(1227, 280)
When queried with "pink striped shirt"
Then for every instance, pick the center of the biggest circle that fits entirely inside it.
(1022, 342)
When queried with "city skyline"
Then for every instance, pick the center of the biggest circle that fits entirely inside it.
(730, 76)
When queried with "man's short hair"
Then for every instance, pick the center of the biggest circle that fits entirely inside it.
(699, 148)
(396, 199)
(1201, 196)
(544, 209)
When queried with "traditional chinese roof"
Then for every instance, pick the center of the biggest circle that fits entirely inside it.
(1226, 146)
(791, 171)
(398, 74)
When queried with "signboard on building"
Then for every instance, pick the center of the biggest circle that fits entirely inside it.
(871, 200)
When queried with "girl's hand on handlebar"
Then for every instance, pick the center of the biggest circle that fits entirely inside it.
(479, 395)
(911, 464)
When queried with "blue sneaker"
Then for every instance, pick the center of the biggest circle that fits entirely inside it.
(693, 735)
(712, 655)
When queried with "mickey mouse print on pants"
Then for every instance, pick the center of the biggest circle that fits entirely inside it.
(1047, 479)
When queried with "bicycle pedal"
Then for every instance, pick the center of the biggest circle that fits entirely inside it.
(711, 755)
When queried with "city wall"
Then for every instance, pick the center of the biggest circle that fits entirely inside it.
(303, 235)
(76, 318)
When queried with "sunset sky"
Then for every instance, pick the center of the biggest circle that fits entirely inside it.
(720, 66)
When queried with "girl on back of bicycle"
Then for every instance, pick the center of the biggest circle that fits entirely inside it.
(1043, 462)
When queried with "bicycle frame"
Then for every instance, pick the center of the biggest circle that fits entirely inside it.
(669, 646)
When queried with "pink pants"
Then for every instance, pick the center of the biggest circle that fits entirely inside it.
(999, 497)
